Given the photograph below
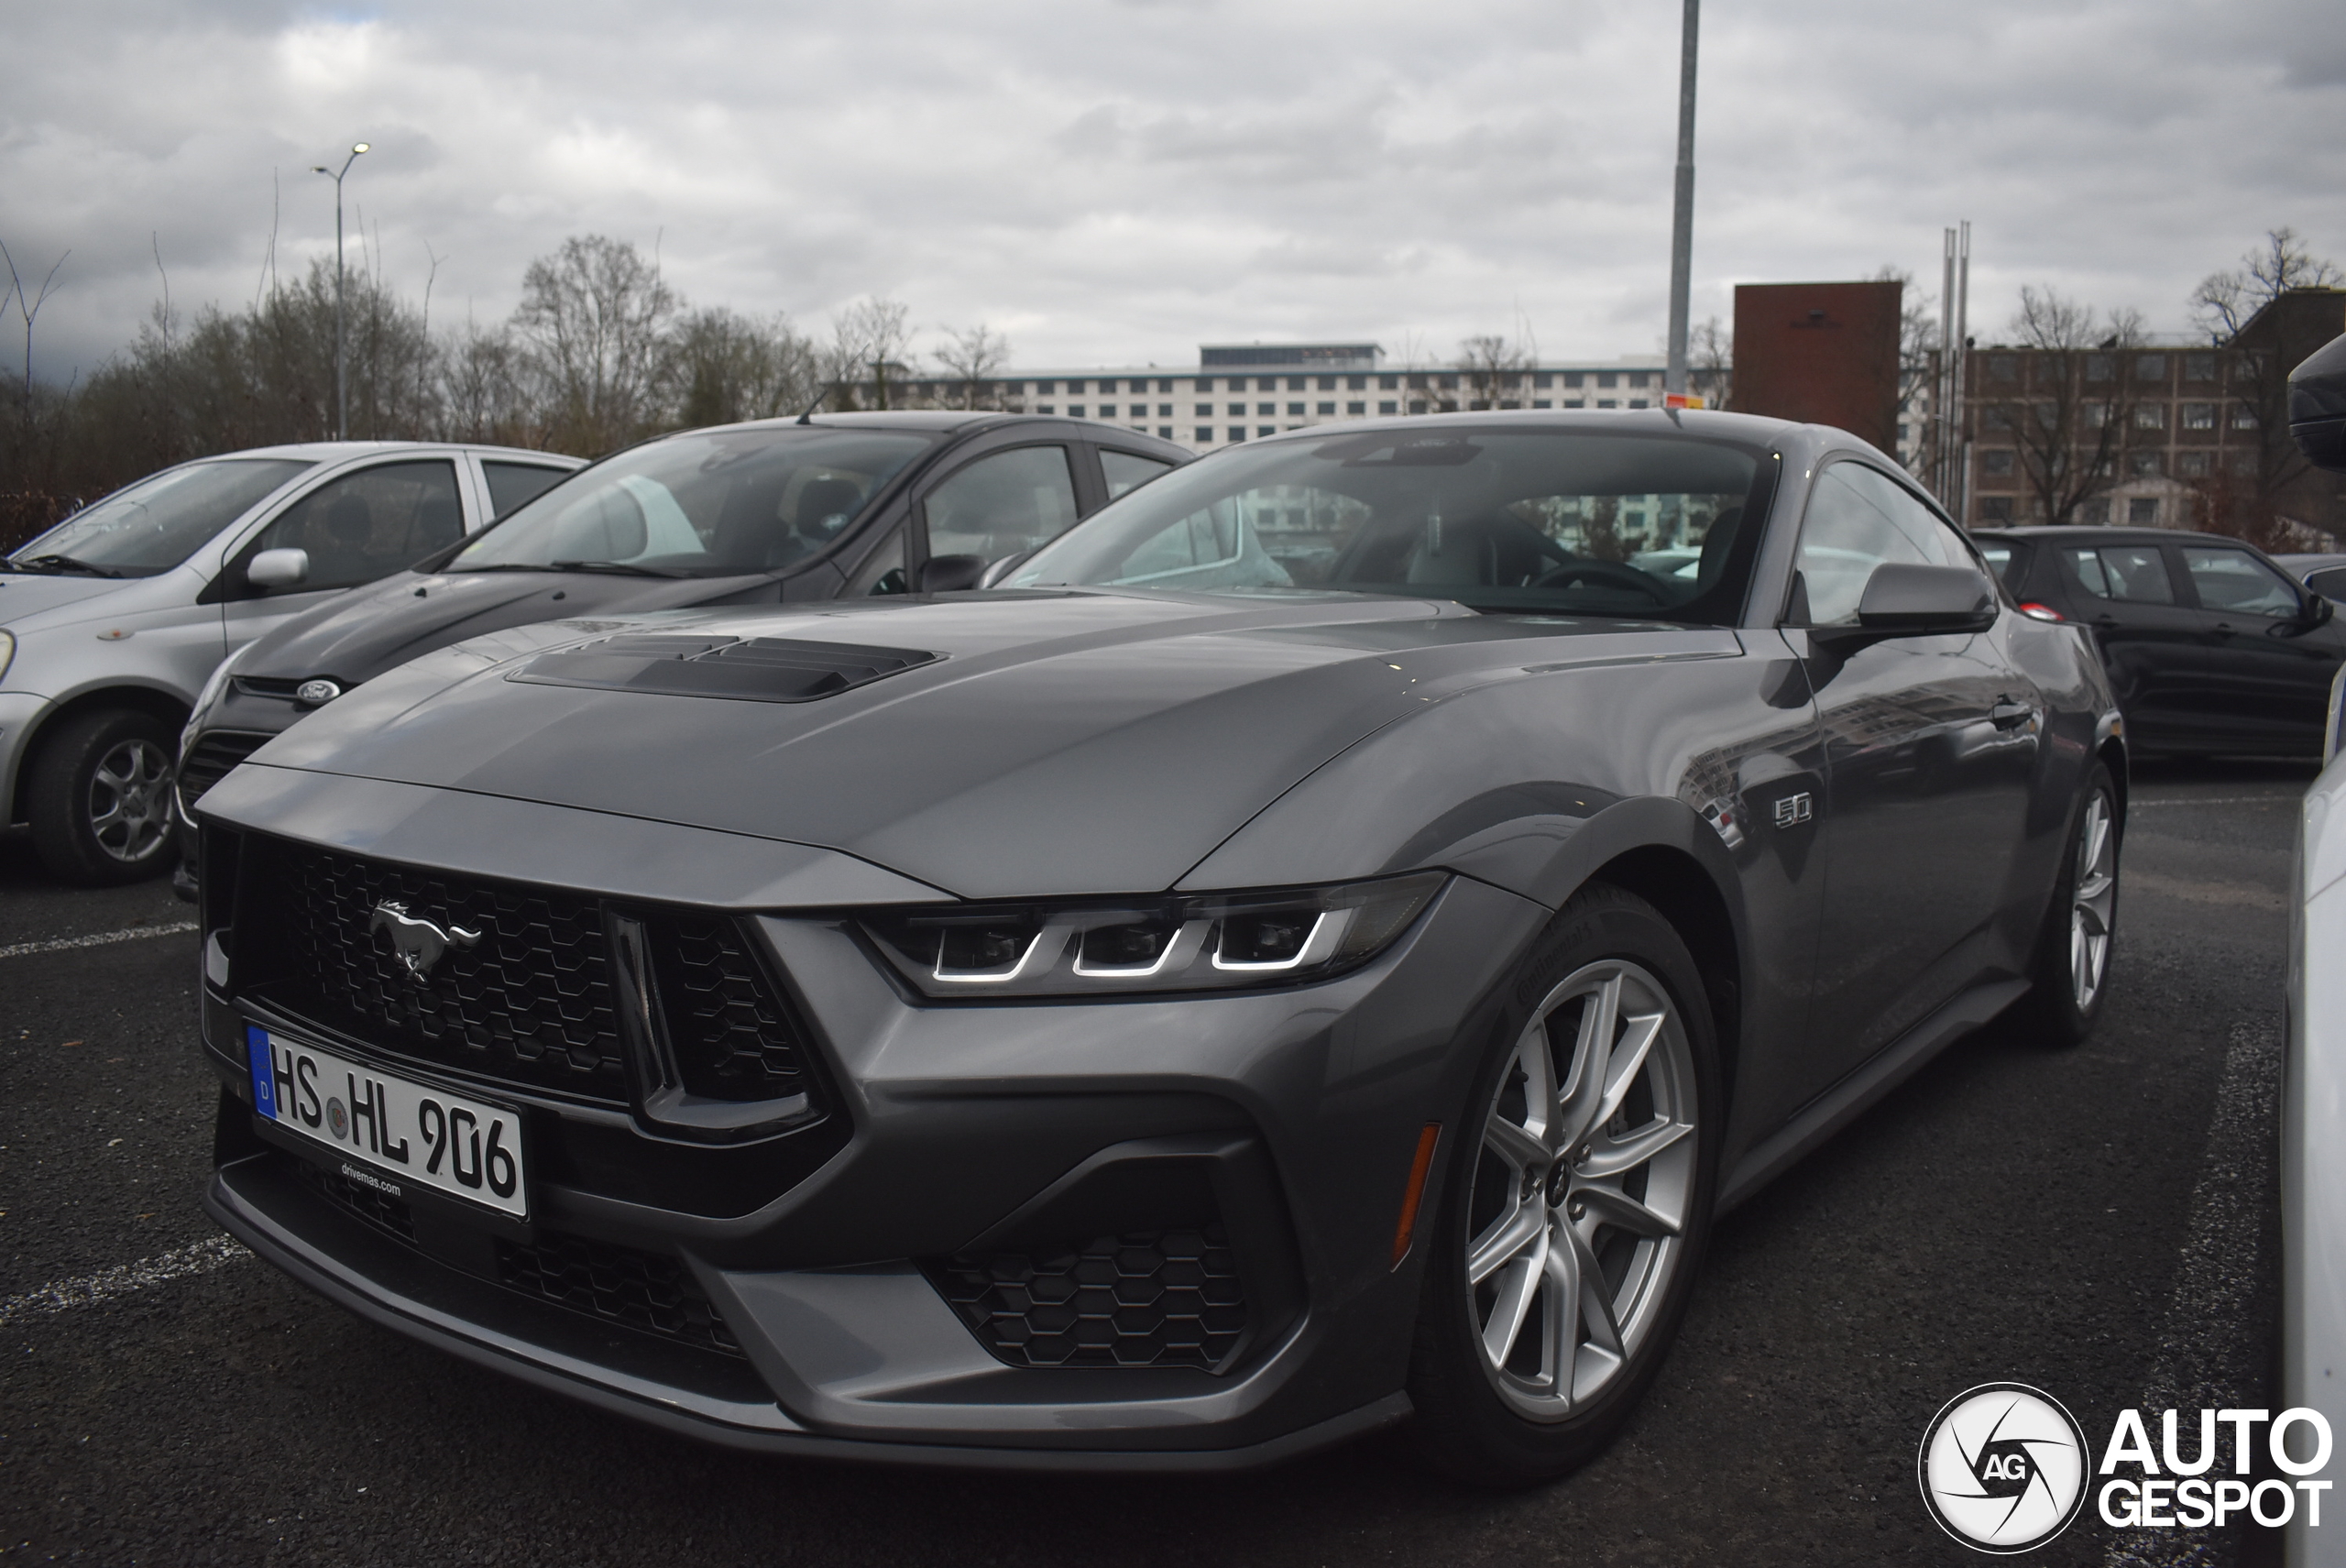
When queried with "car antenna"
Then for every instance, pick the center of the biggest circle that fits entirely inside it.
(807, 417)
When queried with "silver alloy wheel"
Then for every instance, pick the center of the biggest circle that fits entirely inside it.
(130, 800)
(2093, 900)
(1581, 1188)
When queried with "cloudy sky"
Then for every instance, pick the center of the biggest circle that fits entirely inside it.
(1116, 181)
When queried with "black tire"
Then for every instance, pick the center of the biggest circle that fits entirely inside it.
(87, 826)
(2052, 1013)
(1467, 1427)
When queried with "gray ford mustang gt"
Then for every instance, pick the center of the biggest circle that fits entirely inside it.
(1316, 946)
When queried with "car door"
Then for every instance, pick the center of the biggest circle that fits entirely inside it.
(2148, 637)
(2264, 661)
(359, 525)
(1930, 742)
(1002, 502)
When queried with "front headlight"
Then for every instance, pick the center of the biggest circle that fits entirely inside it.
(1221, 941)
(8, 653)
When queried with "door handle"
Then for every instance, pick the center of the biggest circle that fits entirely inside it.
(2226, 628)
(2007, 714)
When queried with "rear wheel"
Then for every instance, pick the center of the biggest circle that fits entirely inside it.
(2070, 979)
(99, 795)
(1575, 1209)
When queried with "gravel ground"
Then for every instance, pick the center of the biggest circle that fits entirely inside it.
(2098, 1222)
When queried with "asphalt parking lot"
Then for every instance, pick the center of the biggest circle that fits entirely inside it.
(2101, 1224)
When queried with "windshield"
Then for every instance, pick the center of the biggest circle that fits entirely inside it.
(716, 503)
(162, 521)
(1550, 520)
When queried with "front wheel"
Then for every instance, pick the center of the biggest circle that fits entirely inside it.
(2070, 979)
(1576, 1205)
(99, 795)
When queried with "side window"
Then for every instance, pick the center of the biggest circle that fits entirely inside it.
(2123, 574)
(1127, 471)
(2329, 584)
(1002, 505)
(510, 484)
(883, 570)
(2237, 582)
(1857, 520)
(367, 524)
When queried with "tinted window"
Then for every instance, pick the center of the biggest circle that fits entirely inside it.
(510, 485)
(713, 503)
(1858, 520)
(368, 524)
(2329, 585)
(1127, 471)
(2129, 574)
(1002, 505)
(2009, 562)
(2236, 582)
(1547, 521)
(158, 522)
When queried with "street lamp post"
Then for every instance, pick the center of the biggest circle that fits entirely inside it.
(340, 383)
(1681, 224)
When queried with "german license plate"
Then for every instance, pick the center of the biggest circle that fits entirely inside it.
(463, 1148)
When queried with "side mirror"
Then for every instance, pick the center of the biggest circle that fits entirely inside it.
(1901, 601)
(2315, 610)
(2317, 406)
(277, 568)
(950, 573)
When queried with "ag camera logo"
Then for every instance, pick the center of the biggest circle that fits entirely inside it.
(2003, 1468)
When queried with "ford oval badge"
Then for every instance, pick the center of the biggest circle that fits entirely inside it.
(317, 694)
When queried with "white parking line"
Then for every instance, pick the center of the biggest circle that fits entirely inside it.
(2207, 1350)
(2218, 800)
(63, 944)
(196, 1258)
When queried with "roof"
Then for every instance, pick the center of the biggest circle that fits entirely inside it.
(1754, 428)
(2087, 532)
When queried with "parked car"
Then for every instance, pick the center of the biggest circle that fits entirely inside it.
(2313, 1082)
(2211, 647)
(110, 622)
(1176, 1010)
(774, 511)
(2325, 575)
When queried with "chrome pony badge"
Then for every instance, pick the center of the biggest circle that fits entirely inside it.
(419, 943)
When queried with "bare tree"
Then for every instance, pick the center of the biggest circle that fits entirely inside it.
(1710, 358)
(2226, 301)
(724, 367)
(594, 316)
(2067, 404)
(871, 340)
(973, 358)
(1493, 367)
(29, 310)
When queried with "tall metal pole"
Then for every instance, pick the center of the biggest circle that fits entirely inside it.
(1962, 372)
(1681, 224)
(341, 384)
(1943, 383)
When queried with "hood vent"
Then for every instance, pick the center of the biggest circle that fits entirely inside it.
(758, 669)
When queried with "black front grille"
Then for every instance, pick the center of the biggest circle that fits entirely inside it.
(208, 760)
(1143, 1298)
(379, 1210)
(640, 1289)
(731, 1037)
(527, 1000)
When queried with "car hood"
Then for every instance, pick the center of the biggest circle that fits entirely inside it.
(356, 636)
(26, 594)
(1071, 743)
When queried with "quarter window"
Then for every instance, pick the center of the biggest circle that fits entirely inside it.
(1128, 470)
(510, 484)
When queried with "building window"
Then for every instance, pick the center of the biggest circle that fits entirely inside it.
(1573, 379)
(1205, 434)
(2003, 367)
(2101, 366)
(1356, 383)
(1608, 402)
(1263, 411)
(1237, 408)
(1267, 430)
(2096, 416)
(1294, 411)
(1327, 383)
(1575, 403)
(1355, 407)
(1328, 410)
(1075, 410)
(1542, 380)
(1045, 409)
(1608, 379)
(1450, 383)
(1205, 384)
(1388, 406)
(1998, 464)
(1995, 509)
(1417, 405)
(2198, 416)
(1140, 386)
(2242, 462)
(1637, 402)
(1204, 410)
(1995, 416)
(1388, 383)
(1107, 410)
(1046, 389)
(2143, 464)
(2191, 464)
(2143, 511)
(2199, 367)
(2150, 416)
(1165, 432)
(2243, 417)
(2149, 368)
(1237, 432)
(1904, 434)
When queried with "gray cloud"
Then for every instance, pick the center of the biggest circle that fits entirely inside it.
(1105, 181)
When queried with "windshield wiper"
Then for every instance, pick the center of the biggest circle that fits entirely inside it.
(52, 562)
(626, 568)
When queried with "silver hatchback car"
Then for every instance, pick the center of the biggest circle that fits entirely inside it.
(112, 622)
